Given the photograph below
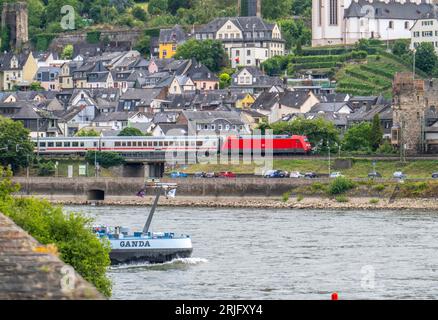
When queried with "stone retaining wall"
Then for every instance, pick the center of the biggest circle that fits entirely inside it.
(29, 270)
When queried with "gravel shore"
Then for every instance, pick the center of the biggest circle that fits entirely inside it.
(361, 203)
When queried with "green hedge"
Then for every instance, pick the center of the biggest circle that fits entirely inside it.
(378, 70)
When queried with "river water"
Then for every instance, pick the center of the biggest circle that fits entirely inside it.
(283, 254)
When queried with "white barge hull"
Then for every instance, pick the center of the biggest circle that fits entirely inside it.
(150, 250)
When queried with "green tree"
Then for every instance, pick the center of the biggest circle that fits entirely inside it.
(70, 233)
(274, 9)
(224, 80)
(67, 52)
(130, 132)
(143, 45)
(157, 6)
(209, 52)
(87, 133)
(294, 32)
(105, 159)
(175, 5)
(139, 13)
(36, 11)
(17, 148)
(36, 86)
(319, 131)
(425, 57)
(358, 137)
(400, 48)
(376, 133)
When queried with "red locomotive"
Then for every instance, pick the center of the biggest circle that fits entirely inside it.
(280, 144)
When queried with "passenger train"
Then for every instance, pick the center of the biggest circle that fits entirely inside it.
(294, 144)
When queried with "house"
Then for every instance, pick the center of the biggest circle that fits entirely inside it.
(144, 100)
(11, 70)
(181, 84)
(253, 118)
(202, 77)
(367, 113)
(169, 130)
(214, 123)
(103, 79)
(39, 122)
(252, 80)
(48, 78)
(121, 120)
(425, 29)
(169, 40)
(277, 105)
(337, 22)
(248, 41)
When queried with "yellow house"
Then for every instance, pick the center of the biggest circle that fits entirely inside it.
(169, 40)
(246, 102)
(30, 68)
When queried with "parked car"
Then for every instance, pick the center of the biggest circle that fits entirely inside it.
(399, 175)
(210, 175)
(374, 174)
(310, 175)
(336, 175)
(435, 175)
(178, 174)
(199, 174)
(227, 174)
(296, 174)
(275, 174)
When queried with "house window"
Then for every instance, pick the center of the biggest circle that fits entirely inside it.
(406, 24)
(391, 25)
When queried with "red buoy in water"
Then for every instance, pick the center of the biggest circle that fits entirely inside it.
(334, 296)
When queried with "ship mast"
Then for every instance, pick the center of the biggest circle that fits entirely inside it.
(159, 187)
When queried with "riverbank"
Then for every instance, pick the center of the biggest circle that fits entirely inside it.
(357, 203)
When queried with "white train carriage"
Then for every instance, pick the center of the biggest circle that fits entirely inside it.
(128, 146)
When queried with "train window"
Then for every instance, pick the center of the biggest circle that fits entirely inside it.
(75, 144)
(94, 144)
(155, 143)
(166, 143)
(192, 143)
(67, 144)
(117, 144)
(59, 144)
(50, 144)
(124, 144)
(103, 144)
(82, 144)
(187, 143)
(199, 143)
(150, 144)
(128, 144)
(145, 144)
(160, 143)
(134, 143)
(42, 144)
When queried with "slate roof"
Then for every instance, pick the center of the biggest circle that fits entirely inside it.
(292, 99)
(390, 10)
(173, 35)
(177, 129)
(329, 107)
(210, 116)
(199, 72)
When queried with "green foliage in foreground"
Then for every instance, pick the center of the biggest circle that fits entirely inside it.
(340, 185)
(70, 233)
(105, 159)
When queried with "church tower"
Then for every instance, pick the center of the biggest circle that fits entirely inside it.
(249, 8)
(328, 21)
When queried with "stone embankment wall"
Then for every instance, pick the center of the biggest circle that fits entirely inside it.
(80, 187)
(29, 270)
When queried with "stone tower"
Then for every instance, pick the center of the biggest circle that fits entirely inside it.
(411, 100)
(249, 8)
(15, 16)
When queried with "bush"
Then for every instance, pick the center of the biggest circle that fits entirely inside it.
(285, 196)
(374, 201)
(46, 168)
(341, 199)
(105, 159)
(318, 186)
(340, 185)
(379, 187)
(71, 233)
(299, 198)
